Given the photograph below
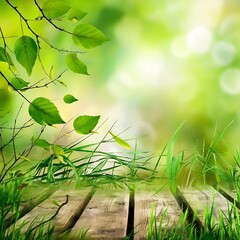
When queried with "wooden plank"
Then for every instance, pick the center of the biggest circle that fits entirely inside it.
(105, 217)
(231, 195)
(201, 199)
(48, 208)
(163, 201)
(29, 202)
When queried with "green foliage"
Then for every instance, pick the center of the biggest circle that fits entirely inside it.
(5, 57)
(75, 14)
(75, 64)
(69, 99)
(41, 143)
(19, 83)
(55, 8)
(87, 36)
(120, 141)
(26, 50)
(59, 153)
(227, 226)
(43, 111)
(173, 162)
(85, 124)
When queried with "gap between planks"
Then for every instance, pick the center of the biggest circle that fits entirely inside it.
(46, 209)
(106, 214)
(105, 217)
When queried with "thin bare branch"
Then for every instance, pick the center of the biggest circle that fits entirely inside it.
(52, 217)
(13, 133)
(35, 86)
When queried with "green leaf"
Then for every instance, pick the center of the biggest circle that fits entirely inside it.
(173, 162)
(43, 111)
(75, 65)
(56, 202)
(58, 151)
(25, 50)
(19, 83)
(100, 166)
(88, 36)
(54, 8)
(120, 141)
(51, 73)
(62, 83)
(41, 143)
(75, 14)
(68, 162)
(69, 99)
(5, 57)
(85, 124)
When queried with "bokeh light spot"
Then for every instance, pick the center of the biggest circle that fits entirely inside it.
(230, 81)
(199, 39)
(179, 47)
(149, 68)
(223, 53)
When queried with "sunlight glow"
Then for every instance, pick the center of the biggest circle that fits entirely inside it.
(149, 68)
(223, 53)
(199, 39)
(230, 81)
(179, 47)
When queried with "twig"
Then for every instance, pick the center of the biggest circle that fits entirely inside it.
(49, 20)
(7, 168)
(3, 157)
(53, 216)
(46, 84)
(37, 36)
(9, 128)
(10, 84)
(13, 133)
(26, 152)
(19, 130)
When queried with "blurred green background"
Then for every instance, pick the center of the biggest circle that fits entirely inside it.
(166, 62)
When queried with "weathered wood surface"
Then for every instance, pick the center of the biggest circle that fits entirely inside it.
(201, 200)
(105, 217)
(29, 202)
(109, 214)
(48, 208)
(161, 202)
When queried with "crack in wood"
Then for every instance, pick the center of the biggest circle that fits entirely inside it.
(130, 224)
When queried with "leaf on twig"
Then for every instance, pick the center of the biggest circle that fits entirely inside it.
(25, 50)
(75, 14)
(5, 57)
(18, 83)
(75, 64)
(55, 8)
(41, 143)
(88, 36)
(43, 111)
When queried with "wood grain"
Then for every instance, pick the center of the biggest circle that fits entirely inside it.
(105, 217)
(163, 201)
(47, 209)
(201, 199)
(29, 202)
